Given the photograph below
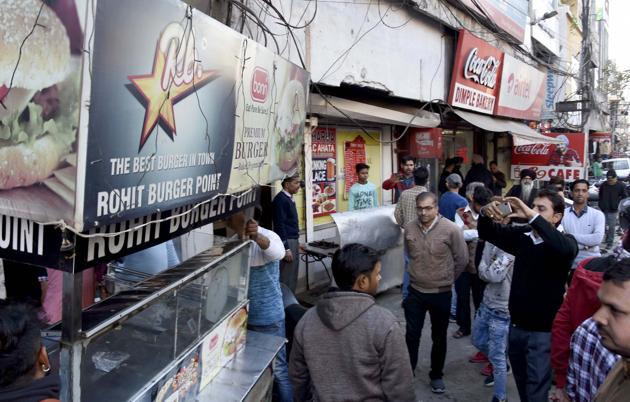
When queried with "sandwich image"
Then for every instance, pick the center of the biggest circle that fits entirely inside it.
(237, 327)
(289, 126)
(38, 94)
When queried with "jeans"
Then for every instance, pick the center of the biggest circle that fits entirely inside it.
(490, 335)
(416, 306)
(530, 355)
(405, 284)
(282, 388)
(289, 270)
(611, 224)
(463, 285)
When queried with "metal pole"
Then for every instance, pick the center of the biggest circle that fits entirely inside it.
(585, 73)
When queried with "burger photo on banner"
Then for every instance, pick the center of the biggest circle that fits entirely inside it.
(40, 59)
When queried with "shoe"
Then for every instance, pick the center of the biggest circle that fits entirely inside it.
(487, 371)
(460, 334)
(478, 358)
(488, 381)
(495, 399)
(437, 386)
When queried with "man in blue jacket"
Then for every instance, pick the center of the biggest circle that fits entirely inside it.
(285, 224)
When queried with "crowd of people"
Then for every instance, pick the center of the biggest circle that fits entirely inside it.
(550, 304)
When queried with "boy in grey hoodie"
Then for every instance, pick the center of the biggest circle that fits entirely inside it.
(347, 348)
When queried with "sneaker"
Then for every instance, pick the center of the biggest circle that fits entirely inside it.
(437, 386)
(488, 381)
(487, 371)
(478, 358)
(495, 399)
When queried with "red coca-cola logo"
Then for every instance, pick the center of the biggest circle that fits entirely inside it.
(534, 149)
(260, 84)
(482, 71)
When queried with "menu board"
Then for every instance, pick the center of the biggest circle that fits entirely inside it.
(354, 152)
(324, 171)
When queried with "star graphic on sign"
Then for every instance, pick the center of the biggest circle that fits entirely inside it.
(159, 101)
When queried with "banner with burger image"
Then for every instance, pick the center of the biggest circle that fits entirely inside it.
(271, 114)
(40, 66)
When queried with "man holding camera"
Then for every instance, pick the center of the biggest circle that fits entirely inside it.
(543, 256)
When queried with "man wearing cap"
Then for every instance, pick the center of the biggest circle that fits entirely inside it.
(285, 224)
(525, 189)
(451, 201)
(611, 192)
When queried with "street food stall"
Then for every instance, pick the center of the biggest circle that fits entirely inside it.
(145, 121)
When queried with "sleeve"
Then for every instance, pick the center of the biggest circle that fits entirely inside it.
(495, 271)
(351, 198)
(396, 377)
(502, 236)
(171, 254)
(561, 332)
(389, 184)
(501, 181)
(595, 238)
(279, 217)
(469, 234)
(460, 252)
(398, 215)
(298, 369)
(563, 245)
(276, 250)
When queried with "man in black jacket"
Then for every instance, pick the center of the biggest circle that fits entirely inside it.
(478, 173)
(449, 166)
(611, 193)
(543, 258)
(285, 224)
(499, 181)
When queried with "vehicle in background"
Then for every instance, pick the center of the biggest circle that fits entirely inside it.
(593, 189)
(621, 166)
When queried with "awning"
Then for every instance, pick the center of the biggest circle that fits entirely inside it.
(371, 113)
(521, 133)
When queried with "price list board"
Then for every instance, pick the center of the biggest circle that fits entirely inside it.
(324, 171)
(354, 152)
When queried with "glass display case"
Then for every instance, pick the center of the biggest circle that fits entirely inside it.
(131, 338)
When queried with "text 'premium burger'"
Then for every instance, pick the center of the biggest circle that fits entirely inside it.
(38, 94)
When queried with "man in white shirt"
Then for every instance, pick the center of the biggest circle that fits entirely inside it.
(586, 224)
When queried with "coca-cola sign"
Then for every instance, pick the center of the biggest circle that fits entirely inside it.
(565, 160)
(483, 71)
(476, 74)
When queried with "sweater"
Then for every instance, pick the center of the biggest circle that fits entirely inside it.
(496, 268)
(580, 303)
(436, 257)
(285, 218)
(362, 196)
(617, 385)
(610, 195)
(541, 268)
(588, 230)
(339, 353)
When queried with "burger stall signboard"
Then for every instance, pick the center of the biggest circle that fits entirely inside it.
(565, 160)
(146, 124)
(476, 72)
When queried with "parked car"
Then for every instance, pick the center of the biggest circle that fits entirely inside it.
(621, 166)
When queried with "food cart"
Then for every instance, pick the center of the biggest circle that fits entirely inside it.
(146, 121)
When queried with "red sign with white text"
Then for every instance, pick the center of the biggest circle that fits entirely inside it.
(426, 142)
(565, 160)
(476, 74)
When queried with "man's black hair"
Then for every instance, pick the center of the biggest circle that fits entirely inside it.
(406, 159)
(289, 179)
(360, 166)
(420, 176)
(619, 272)
(427, 194)
(579, 181)
(493, 163)
(352, 261)
(458, 159)
(482, 196)
(20, 341)
(556, 200)
(611, 173)
(449, 162)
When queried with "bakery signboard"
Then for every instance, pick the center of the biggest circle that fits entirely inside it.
(159, 107)
(476, 73)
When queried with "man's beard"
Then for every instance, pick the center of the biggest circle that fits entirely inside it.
(526, 191)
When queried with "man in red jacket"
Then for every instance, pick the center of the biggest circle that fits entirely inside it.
(581, 302)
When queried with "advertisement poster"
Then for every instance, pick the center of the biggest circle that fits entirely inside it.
(566, 160)
(270, 118)
(40, 70)
(427, 143)
(324, 171)
(522, 90)
(476, 74)
(511, 16)
(354, 152)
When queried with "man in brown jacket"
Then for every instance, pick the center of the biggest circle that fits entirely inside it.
(437, 255)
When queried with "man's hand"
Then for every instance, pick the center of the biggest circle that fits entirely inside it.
(520, 209)
(251, 229)
(493, 211)
(288, 257)
(394, 178)
(559, 395)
